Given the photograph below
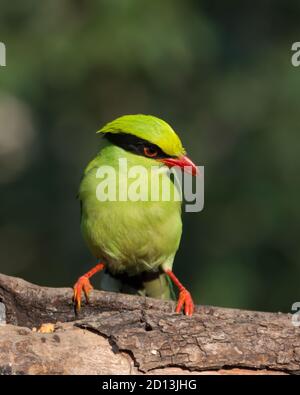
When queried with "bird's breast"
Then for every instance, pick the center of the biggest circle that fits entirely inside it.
(130, 235)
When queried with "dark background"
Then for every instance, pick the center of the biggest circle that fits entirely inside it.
(219, 72)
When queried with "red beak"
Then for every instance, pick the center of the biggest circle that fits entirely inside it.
(183, 162)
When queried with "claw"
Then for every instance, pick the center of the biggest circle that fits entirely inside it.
(83, 284)
(185, 301)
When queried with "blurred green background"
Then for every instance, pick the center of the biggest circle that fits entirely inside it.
(219, 72)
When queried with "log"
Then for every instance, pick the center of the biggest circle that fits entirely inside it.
(128, 334)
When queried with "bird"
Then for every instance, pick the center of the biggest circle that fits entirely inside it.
(134, 241)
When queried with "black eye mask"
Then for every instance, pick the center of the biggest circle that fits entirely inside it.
(134, 144)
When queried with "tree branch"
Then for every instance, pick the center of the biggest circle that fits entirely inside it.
(119, 333)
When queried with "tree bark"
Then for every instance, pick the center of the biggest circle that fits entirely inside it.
(126, 334)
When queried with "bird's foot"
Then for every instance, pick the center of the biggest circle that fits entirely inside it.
(185, 301)
(82, 284)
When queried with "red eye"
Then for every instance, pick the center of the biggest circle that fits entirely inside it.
(151, 152)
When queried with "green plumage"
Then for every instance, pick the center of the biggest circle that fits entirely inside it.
(133, 238)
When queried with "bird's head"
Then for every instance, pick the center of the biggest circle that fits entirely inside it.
(150, 137)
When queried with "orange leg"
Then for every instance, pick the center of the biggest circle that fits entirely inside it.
(83, 284)
(184, 300)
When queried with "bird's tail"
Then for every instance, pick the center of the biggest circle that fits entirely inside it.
(155, 285)
(160, 287)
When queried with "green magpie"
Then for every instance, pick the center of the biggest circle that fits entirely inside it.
(134, 241)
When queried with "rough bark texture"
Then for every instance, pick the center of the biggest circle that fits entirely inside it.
(124, 334)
